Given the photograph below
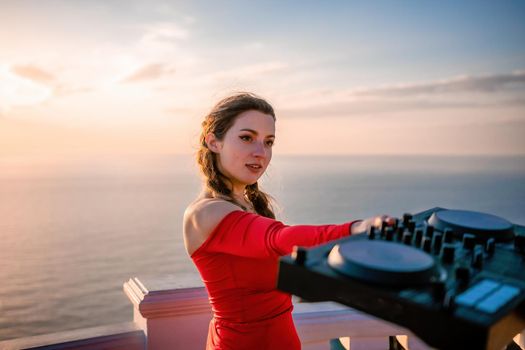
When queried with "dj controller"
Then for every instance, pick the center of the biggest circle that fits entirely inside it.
(455, 278)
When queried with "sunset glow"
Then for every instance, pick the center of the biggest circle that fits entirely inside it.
(137, 77)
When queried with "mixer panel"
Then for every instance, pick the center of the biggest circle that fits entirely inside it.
(455, 278)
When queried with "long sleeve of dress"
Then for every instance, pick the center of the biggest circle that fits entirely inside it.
(250, 235)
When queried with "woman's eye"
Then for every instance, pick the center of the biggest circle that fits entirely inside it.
(245, 138)
(269, 143)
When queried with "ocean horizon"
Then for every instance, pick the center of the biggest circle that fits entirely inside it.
(73, 231)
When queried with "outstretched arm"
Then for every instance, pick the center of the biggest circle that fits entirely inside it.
(251, 235)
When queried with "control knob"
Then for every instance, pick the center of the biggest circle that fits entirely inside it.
(429, 231)
(389, 234)
(437, 240)
(427, 244)
(384, 225)
(448, 236)
(407, 238)
(399, 233)
(406, 218)
(371, 232)
(490, 246)
(469, 240)
(411, 226)
(419, 236)
(448, 252)
(477, 256)
(396, 223)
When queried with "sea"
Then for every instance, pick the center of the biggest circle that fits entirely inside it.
(73, 231)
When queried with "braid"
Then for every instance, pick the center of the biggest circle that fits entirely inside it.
(260, 201)
(214, 178)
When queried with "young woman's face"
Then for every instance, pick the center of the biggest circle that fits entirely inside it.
(246, 150)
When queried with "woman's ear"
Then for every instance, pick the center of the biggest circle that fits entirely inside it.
(212, 142)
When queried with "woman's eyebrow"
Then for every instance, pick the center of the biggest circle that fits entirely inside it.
(255, 132)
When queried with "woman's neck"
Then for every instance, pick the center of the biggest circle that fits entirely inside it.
(239, 199)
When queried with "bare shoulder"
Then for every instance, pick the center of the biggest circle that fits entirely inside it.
(200, 219)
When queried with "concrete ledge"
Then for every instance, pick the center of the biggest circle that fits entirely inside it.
(120, 336)
(157, 301)
(173, 311)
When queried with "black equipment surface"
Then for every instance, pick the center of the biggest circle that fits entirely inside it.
(455, 278)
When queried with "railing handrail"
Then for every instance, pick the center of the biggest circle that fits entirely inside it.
(169, 315)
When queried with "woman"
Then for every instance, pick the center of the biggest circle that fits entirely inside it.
(231, 233)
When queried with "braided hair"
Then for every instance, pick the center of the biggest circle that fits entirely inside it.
(219, 121)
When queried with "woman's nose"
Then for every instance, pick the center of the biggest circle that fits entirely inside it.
(259, 149)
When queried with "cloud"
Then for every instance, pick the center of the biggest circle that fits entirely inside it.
(459, 93)
(33, 73)
(487, 83)
(149, 72)
(17, 90)
(387, 106)
(164, 32)
(39, 76)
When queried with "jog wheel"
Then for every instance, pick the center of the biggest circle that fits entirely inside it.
(483, 226)
(384, 263)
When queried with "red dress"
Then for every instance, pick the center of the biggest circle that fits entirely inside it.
(238, 264)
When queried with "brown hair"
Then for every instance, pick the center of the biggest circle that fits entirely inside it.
(218, 122)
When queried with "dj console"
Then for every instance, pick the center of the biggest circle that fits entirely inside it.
(455, 278)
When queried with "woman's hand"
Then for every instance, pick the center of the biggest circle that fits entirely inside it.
(376, 221)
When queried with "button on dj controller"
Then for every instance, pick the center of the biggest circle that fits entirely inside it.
(475, 293)
(455, 278)
(496, 300)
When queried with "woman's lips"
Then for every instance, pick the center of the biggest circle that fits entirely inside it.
(255, 168)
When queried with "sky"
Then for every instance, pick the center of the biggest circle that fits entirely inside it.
(345, 77)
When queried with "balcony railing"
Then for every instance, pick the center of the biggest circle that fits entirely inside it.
(173, 313)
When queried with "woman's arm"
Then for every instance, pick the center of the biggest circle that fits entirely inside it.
(219, 226)
(250, 235)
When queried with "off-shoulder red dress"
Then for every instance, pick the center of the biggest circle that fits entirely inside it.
(238, 265)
